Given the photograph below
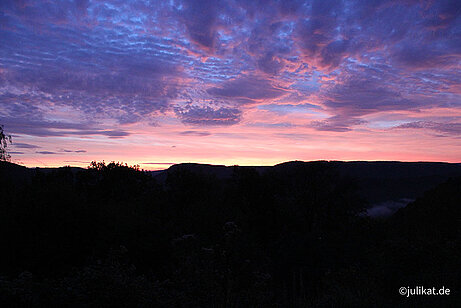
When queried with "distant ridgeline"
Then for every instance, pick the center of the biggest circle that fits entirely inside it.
(377, 182)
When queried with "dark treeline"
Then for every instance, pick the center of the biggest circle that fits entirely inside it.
(111, 235)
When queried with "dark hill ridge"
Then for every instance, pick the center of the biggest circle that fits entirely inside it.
(17, 173)
(382, 181)
(387, 185)
(14, 173)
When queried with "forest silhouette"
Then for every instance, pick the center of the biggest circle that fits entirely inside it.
(295, 235)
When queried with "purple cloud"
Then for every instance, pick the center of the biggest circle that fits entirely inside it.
(208, 116)
(46, 152)
(25, 145)
(199, 16)
(195, 133)
(43, 128)
(446, 128)
(336, 124)
(359, 94)
(249, 88)
(71, 151)
(361, 91)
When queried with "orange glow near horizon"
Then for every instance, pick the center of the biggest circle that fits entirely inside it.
(155, 148)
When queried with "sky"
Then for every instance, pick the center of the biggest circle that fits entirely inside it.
(230, 82)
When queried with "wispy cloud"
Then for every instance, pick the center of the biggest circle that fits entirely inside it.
(447, 128)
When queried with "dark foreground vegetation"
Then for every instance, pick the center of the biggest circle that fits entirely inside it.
(114, 236)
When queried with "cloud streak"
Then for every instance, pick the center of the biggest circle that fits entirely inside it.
(446, 128)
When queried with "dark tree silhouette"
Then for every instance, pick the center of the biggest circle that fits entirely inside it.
(4, 139)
